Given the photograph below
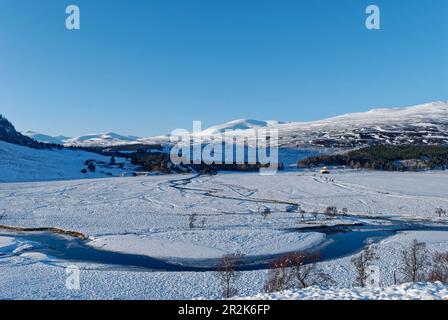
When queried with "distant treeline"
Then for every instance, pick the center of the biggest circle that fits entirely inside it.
(241, 167)
(384, 157)
(161, 162)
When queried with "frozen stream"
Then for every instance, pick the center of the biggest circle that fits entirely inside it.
(340, 242)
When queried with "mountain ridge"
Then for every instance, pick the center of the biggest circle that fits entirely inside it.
(420, 124)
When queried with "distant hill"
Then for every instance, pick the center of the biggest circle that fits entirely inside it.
(46, 138)
(425, 124)
(9, 134)
(101, 140)
(88, 140)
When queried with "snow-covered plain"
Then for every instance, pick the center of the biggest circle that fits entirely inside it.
(150, 216)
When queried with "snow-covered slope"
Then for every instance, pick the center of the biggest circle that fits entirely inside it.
(102, 139)
(421, 124)
(18, 164)
(240, 124)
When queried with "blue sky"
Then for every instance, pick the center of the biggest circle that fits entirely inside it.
(146, 67)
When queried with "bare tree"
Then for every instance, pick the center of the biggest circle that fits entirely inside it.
(192, 219)
(441, 212)
(203, 223)
(415, 262)
(344, 211)
(279, 277)
(305, 271)
(227, 273)
(362, 262)
(439, 270)
(295, 270)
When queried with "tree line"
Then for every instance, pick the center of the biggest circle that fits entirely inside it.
(386, 157)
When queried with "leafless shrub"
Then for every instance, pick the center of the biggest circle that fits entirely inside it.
(305, 271)
(191, 220)
(264, 211)
(415, 262)
(344, 211)
(295, 270)
(203, 223)
(362, 262)
(439, 270)
(3, 215)
(302, 215)
(226, 272)
(301, 271)
(331, 212)
(315, 214)
(279, 277)
(441, 212)
(91, 167)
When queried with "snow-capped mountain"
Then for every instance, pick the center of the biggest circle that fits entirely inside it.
(240, 124)
(45, 138)
(89, 140)
(102, 139)
(421, 124)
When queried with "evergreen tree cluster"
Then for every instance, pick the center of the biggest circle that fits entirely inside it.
(386, 157)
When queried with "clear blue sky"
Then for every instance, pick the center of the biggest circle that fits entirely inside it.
(146, 67)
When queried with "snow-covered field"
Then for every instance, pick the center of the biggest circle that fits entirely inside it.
(150, 216)
(408, 291)
(19, 163)
(148, 205)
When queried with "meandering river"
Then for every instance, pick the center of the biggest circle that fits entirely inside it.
(340, 242)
